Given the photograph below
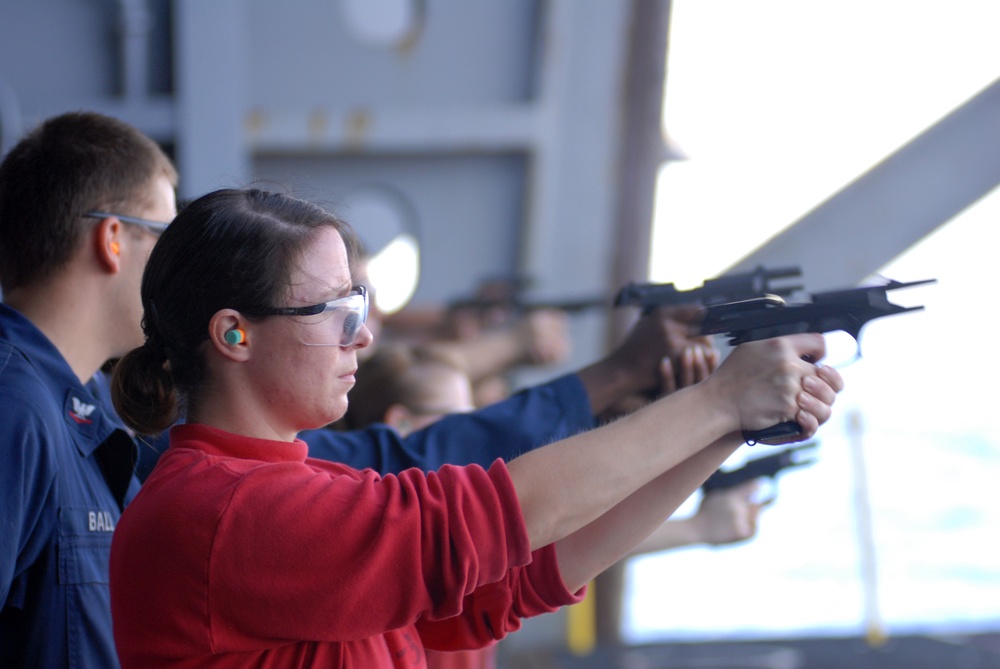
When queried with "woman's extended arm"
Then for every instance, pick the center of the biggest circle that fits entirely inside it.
(589, 551)
(567, 485)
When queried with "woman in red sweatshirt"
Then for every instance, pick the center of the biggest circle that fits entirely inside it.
(240, 551)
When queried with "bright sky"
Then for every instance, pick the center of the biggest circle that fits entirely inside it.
(780, 103)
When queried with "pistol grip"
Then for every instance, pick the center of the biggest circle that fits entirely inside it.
(770, 435)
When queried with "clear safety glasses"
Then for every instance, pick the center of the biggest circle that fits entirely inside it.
(155, 227)
(334, 323)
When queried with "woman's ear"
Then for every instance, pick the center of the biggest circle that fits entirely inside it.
(399, 417)
(227, 330)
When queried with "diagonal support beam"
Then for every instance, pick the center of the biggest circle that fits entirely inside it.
(897, 203)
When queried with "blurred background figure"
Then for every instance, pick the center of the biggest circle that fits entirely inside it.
(488, 336)
(407, 387)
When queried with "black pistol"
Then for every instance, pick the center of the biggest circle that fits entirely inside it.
(771, 316)
(766, 467)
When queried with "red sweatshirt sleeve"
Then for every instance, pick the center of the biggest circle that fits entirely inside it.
(361, 554)
(496, 609)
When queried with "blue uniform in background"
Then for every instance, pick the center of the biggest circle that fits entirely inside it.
(66, 473)
(530, 418)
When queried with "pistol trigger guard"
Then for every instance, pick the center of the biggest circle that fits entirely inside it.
(770, 434)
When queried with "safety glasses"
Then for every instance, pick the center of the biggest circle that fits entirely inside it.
(334, 323)
(155, 227)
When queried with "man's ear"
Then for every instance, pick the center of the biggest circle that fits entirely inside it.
(106, 240)
(227, 331)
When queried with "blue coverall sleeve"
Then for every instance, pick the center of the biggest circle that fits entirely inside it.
(528, 419)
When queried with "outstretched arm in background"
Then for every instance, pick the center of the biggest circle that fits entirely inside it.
(723, 517)
(658, 356)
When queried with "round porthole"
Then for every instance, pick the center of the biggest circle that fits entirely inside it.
(383, 23)
(385, 221)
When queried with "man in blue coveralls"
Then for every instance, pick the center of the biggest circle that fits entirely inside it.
(82, 200)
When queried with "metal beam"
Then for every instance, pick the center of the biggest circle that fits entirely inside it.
(897, 203)
(643, 150)
(430, 129)
(211, 56)
(155, 115)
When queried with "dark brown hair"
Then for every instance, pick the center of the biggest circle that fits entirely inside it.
(68, 166)
(231, 249)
